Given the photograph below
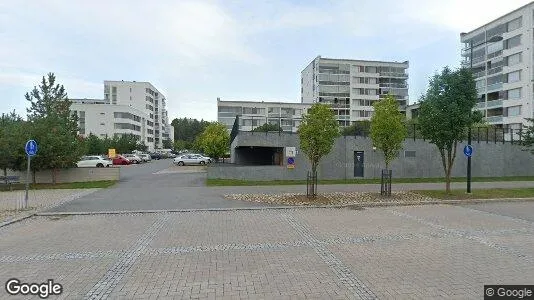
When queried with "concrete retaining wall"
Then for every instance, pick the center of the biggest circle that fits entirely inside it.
(489, 160)
(72, 175)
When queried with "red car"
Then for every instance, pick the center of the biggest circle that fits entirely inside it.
(121, 160)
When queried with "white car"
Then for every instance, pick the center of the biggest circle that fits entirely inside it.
(208, 159)
(190, 159)
(133, 158)
(145, 157)
(94, 161)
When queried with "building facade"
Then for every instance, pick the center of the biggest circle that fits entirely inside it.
(253, 114)
(128, 107)
(502, 65)
(352, 86)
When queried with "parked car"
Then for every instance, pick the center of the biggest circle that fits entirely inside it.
(121, 160)
(94, 161)
(208, 159)
(145, 157)
(133, 158)
(190, 159)
(156, 156)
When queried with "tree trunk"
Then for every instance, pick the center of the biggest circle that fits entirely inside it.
(54, 175)
(444, 163)
(314, 175)
(450, 158)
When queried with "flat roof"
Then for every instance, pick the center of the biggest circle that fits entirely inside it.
(261, 102)
(369, 61)
(495, 20)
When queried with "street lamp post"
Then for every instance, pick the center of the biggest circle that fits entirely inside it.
(494, 39)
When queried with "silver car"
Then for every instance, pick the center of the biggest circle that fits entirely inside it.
(133, 158)
(190, 159)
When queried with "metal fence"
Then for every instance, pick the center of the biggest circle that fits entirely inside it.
(479, 134)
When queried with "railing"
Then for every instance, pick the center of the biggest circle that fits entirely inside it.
(494, 70)
(494, 119)
(394, 85)
(481, 105)
(393, 74)
(479, 74)
(495, 54)
(494, 103)
(495, 86)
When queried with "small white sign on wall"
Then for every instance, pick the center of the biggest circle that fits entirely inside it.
(291, 151)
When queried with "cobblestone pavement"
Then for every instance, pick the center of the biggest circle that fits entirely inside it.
(423, 252)
(37, 199)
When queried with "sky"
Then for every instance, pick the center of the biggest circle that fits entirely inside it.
(196, 51)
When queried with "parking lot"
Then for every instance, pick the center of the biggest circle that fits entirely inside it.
(418, 252)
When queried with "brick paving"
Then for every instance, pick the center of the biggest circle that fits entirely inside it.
(422, 252)
(37, 199)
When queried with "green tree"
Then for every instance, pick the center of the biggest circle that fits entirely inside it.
(446, 112)
(527, 135)
(215, 140)
(54, 127)
(357, 128)
(317, 132)
(167, 144)
(388, 130)
(180, 145)
(12, 139)
(188, 130)
(266, 127)
(95, 145)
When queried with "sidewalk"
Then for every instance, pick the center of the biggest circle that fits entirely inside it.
(329, 188)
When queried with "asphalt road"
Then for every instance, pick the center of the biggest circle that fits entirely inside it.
(154, 186)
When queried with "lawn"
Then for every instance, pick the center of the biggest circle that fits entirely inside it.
(479, 193)
(233, 182)
(69, 185)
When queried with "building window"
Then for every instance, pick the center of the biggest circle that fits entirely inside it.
(409, 153)
(514, 24)
(514, 77)
(513, 111)
(102, 124)
(513, 59)
(512, 42)
(113, 89)
(102, 113)
(514, 94)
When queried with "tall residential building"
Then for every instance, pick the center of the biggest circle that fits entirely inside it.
(253, 114)
(128, 107)
(352, 86)
(502, 65)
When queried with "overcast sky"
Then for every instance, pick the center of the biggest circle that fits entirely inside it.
(196, 51)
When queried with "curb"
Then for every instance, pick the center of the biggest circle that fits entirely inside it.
(21, 218)
(361, 205)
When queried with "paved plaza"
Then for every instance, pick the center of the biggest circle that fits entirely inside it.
(397, 252)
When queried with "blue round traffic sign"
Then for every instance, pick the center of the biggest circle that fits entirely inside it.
(290, 160)
(468, 150)
(31, 148)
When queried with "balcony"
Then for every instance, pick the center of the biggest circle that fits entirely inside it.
(481, 105)
(494, 119)
(494, 87)
(494, 70)
(394, 85)
(494, 103)
(393, 74)
(479, 74)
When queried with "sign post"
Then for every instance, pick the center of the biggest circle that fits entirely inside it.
(468, 152)
(31, 150)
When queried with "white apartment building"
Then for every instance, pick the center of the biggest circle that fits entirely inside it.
(128, 107)
(352, 86)
(253, 114)
(503, 65)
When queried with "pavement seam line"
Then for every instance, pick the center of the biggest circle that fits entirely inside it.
(369, 204)
(342, 272)
(466, 235)
(126, 260)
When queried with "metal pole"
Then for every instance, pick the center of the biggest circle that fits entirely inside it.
(469, 132)
(25, 204)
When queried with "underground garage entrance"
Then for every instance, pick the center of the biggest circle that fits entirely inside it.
(259, 156)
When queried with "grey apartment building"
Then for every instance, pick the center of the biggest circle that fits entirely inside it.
(349, 86)
(128, 107)
(502, 65)
(352, 86)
